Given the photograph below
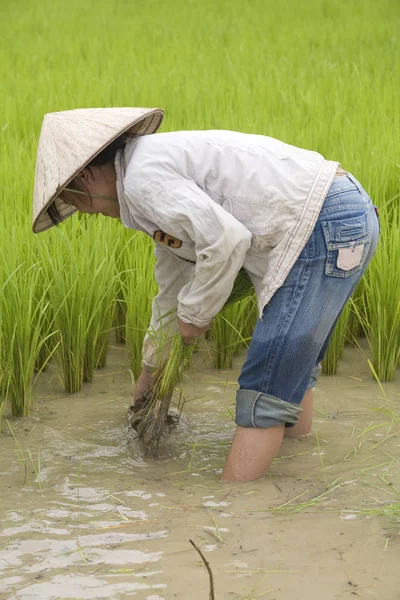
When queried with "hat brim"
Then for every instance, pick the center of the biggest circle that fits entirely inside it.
(144, 125)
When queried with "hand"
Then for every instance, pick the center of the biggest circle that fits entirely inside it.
(190, 332)
(143, 385)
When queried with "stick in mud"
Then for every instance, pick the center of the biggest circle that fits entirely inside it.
(207, 565)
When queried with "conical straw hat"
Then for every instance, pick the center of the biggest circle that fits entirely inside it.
(69, 140)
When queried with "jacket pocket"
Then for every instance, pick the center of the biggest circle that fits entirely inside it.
(347, 242)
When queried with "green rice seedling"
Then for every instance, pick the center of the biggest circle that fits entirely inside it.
(242, 288)
(26, 464)
(233, 327)
(294, 508)
(47, 347)
(65, 295)
(227, 334)
(103, 339)
(2, 410)
(102, 288)
(354, 328)
(225, 337)
(47, 336)
(321, 112)
(248, 324)
(119, 322)
(123, 246)
(388, 408)
(100, 325)
(139, 288)
(388, 508)
(382, 298)
(336, 345)
(23, 312)
(19, 453)
(81, 291)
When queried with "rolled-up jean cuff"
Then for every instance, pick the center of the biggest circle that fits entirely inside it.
(315, 373)
(255, 409)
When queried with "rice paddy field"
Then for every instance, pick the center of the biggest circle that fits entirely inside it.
(84, 512)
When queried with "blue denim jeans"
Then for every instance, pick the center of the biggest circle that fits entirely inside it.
(288, 345)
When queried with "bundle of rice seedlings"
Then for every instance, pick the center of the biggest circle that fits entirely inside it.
(149, 415)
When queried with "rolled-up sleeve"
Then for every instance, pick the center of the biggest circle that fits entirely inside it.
(182, 209)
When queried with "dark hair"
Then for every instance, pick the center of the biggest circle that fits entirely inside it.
(105, 156)
(108, 154)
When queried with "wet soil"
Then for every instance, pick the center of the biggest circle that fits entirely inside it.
(85, 515)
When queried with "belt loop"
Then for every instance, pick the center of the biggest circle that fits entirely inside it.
(353, 180)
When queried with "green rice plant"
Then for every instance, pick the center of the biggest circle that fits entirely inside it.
(65, 295)
(354, 329)
(381, 301)
(23, 313)
(26, 464)
(233, 327)
(105, 284)
(123, 246)
(119, 322)
(317, 109)
(139, 287)
(229, 329)
(242, 288)
(102, 288)
(81, 294)
(103, 339)
(248, 324)
(2, 411)
(47, 336)
(389, 508)
(336, 344)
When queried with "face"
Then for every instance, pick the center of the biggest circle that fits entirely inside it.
(100, 182)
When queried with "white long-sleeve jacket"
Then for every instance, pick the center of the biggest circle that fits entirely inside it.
(219, 200)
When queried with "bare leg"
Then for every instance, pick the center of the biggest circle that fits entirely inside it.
(252, 452)
(303, 426)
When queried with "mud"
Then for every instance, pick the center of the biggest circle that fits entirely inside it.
(85, 515)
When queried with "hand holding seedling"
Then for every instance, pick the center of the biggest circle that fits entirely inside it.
(190, 332)
(143, 384)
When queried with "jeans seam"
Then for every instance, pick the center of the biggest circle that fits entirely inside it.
(342, 207)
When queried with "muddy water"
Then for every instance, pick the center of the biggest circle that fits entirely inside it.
(85, 515)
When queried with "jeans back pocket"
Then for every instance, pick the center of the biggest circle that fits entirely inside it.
(347, 242)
